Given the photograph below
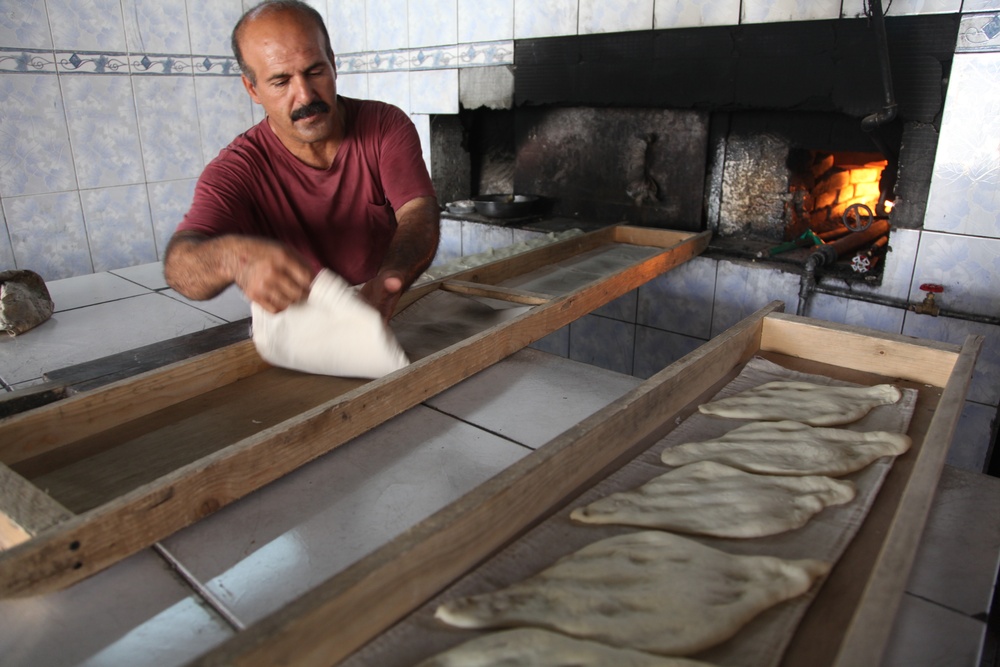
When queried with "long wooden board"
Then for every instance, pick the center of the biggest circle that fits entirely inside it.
(848, 623)
(163, 449)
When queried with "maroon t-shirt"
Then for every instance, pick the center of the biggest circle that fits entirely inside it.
(340, 218)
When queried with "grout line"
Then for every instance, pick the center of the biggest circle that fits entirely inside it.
(479, 427)
(210, 599)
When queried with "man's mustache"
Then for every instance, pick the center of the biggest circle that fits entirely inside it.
(311, 109)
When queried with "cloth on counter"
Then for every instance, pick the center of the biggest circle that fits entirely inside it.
(332, 332)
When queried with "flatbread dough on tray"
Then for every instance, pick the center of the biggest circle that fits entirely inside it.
(651, 591)
(805, 402)
(708, 498)
(791, 448)
(533, 647)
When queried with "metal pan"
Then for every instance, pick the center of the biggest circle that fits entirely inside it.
(506, 206)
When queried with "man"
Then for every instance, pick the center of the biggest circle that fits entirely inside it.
(322, 181)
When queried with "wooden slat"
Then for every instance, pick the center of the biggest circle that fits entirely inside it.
(108, 533)
(647, 236)
(512, 295)
(324, 626)
(860, 349)
(868, 634)
(25, 511)
(38, 431)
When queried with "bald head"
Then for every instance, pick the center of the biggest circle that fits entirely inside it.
(270, 8)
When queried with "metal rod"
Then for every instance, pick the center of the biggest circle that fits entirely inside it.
(210, 599)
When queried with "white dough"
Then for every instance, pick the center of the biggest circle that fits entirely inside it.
(791, 448)
(332, 332)
(531, 647)
(805, 402)
(707, 498)
(650, 591)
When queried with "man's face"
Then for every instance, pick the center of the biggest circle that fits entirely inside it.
(296, 81)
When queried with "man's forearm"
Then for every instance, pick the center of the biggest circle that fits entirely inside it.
(197, 266)
(416, 240)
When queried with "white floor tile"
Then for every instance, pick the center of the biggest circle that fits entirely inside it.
(134, 613)
(928, 635)
(272, 546)
(148, 275)
(231, 305)
(86, 334)
(531, 397)
(93, 288)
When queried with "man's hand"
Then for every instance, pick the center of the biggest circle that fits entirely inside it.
(269, 273)
(383, 292)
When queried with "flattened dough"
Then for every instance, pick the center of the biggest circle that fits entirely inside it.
(804, 402)
(333, 332)
(791, 448)
(650, 591)
(531, 647)
(708, 498)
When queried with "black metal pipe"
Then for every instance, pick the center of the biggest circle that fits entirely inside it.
(888, 112)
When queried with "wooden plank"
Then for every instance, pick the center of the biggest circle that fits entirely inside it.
(38, 431)
(882, 353)
(108, 533)
(25, 510)
(324, 625)
(503, 293)
(647, 236)
(866, 638)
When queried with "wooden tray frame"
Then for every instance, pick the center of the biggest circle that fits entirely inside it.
(849, 622)
(44, 546)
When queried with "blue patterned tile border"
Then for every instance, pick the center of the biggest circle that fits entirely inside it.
(27, 60)
(104, 62)
(482, 54)
(979, 32)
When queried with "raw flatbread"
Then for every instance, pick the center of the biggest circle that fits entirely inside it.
(708, 498)
(531, 647)
(804, 402)
(650, 591)
(332, 332)
(791, 448)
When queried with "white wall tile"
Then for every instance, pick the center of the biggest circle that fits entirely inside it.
(770, 11)
(984, 388)
(741, 289)
(695, 13)
(965, 186)
(603, 342)
(346, 25)
(979, 5)
(423, 124)
(433, 22)
(597, 16)
(391, 87)
(168, 125)
(48, 235)
(897, 272)
(223, 112)
(24, 24)
(37, 155)
(681, 300)
(119, 229)
(656, 349)
(211, 23)
(103, 129)
(168, 202)
(855, 312)
(856, 8)
(353, 85)
(973, 437)
(6, 251)
(967, 267)
(485, 20)
(152, 26)
(545, 19)
(387, 24)
(434, 91)
(87, 25)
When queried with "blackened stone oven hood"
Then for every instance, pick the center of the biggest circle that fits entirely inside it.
(643, 126)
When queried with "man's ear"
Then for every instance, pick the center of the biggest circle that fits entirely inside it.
(251, 88)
